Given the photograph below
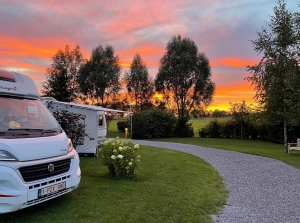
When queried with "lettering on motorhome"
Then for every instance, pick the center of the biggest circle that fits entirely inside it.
(9, 88)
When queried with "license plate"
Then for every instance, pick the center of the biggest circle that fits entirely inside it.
(51, 189)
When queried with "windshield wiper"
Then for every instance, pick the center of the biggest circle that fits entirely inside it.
(27, 129)
(49, 131)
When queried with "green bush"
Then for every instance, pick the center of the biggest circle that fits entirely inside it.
(203, 132)
(153, 123)
(212, 129)
(120, 156)
(122, 125)
(139, 125)
(183, 128)
(228, 129)
(160, 123)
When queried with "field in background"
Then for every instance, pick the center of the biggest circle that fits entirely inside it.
(196, 123)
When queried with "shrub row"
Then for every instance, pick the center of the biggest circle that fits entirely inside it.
(247, 130)
(157, 123)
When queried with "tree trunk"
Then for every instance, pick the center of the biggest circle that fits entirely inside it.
(241, 131)
(285, 136)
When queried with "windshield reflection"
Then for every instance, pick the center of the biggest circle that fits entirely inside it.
(26, 115)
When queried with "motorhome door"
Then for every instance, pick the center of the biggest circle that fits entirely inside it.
(102, 126)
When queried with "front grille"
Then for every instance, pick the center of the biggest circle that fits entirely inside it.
(40, 171)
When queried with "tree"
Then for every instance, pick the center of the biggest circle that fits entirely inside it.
(239, 113)
(276, 76)
(219, 113)
(99, 76)
(138, 83)
(185, 74)
(61, 74)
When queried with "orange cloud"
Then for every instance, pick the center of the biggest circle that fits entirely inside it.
(124, 64)
(233, 62)
(226, 94)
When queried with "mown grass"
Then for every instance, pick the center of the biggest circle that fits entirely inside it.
(170, 187)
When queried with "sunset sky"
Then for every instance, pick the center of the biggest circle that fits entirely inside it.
(32, 31)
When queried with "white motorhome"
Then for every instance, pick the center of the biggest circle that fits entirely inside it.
(37, 159)
(94, 121)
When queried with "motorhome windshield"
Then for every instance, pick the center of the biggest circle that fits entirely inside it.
(25, 118)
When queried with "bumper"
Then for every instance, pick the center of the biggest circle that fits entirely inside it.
(15, 194)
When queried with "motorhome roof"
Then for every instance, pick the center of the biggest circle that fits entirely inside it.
(7, 76)
(15, 84)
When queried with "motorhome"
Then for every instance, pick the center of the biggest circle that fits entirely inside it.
(37, 159)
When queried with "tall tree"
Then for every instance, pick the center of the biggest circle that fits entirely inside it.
(239, 113)
(60, 76)
(185, 74)
(276, 77)
(99, 76)
(138, 83)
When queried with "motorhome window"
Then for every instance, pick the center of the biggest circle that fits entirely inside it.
(100, 120)
(20, 113)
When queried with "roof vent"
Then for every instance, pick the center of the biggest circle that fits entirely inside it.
(6, 76)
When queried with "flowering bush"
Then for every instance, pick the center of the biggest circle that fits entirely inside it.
(120, 157)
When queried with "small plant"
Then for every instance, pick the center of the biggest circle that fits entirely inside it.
(120, 156)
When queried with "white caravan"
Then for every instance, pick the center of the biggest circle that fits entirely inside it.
(94, 121)
(37, 159)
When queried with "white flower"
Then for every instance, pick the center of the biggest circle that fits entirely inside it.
(120, 156)
(136, 146)
(113, 157)
(120, 148)
(113, 144)
(130, 163)
(115, 151)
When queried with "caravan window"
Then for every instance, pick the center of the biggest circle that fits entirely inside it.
(100, 123)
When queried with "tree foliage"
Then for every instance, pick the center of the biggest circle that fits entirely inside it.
(60, 76)
(98, 77)
(239, 114)
(276, 77)
(185, 75)
(138, 83)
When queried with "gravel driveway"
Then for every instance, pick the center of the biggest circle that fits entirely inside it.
(260, 189)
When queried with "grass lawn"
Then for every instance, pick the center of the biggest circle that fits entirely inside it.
(170, 187)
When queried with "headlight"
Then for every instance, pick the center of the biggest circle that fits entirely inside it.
(70, 146)
(6, 156)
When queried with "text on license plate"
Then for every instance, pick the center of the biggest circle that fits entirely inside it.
(51, 189)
